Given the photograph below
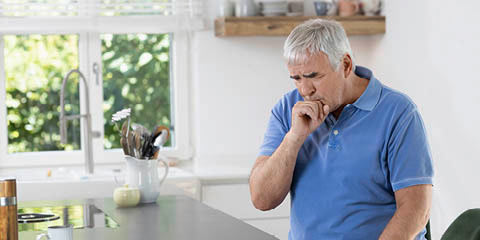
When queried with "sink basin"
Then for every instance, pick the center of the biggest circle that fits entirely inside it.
(80, 216)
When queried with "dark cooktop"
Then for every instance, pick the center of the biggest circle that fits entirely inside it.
(36, 217)
(80, 216)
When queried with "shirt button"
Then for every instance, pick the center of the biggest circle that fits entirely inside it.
(335, 132)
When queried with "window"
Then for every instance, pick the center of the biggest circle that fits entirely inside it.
(133, 54)
(34, 69)
(136, 73)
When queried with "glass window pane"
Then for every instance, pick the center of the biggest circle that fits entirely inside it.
(136, 75)
(34, 69)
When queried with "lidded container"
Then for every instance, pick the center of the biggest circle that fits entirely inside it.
(8, 209)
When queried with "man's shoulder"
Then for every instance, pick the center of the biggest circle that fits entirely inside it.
(396, 99)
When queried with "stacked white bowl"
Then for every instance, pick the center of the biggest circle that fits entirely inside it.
(273, 7)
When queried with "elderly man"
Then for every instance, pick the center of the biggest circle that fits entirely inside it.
(351, 151)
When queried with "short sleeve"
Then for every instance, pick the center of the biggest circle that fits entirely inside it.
(275, 133)
(409, 156)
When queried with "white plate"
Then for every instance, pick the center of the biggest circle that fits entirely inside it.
(270, 12)
(275, 8)
(294, 14)
(274, 5)
(273, 14)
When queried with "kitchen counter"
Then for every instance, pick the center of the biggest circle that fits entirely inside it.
(171, 217)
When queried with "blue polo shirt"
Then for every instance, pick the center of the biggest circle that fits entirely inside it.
(348, 169)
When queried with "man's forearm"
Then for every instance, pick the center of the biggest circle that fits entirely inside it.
(406, 223)
(270, 180)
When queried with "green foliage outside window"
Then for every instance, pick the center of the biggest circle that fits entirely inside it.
(136, 74)
(34, 69)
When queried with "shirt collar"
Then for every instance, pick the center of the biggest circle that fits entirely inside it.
(370, 96)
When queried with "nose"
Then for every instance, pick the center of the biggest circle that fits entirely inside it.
(306, 88)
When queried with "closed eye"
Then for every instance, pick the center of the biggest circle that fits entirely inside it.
(310, 75)
(296, 77)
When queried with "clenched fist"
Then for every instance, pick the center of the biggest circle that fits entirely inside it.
(306, 117)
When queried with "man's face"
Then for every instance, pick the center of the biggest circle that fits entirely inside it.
(316, 80)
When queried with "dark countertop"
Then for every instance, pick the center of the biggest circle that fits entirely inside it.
(172, 217)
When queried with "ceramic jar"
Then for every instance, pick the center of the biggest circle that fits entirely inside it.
(225, 8)
(347, 8)
(245, 8)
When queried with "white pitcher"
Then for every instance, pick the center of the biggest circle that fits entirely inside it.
(143, 174)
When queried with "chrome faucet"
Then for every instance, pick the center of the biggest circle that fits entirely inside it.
(88, 133)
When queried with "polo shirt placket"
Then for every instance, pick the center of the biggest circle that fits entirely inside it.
(334, 127)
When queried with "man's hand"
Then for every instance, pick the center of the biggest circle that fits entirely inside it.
(306, 117)
(271, 176)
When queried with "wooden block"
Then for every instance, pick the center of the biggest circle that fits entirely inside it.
(8, 188)
(8, 223)
(8, 213)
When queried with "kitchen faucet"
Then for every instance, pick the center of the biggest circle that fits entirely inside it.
(88, 133)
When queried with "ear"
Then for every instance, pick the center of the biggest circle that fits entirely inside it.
(347, 65)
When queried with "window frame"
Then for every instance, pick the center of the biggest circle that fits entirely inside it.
(89, 53)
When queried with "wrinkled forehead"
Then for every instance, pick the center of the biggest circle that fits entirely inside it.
(299, 69)
(307, 63)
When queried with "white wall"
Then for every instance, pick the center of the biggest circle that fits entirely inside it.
(430, 52)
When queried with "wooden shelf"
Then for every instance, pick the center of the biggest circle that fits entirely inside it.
(282, 26)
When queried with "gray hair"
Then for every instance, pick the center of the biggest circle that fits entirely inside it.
(317, 35)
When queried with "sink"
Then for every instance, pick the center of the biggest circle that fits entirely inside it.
(80, 216)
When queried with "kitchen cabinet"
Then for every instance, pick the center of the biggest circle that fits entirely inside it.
(282, 26)
(234, 200)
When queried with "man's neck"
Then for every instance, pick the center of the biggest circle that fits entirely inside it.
(354, 91)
